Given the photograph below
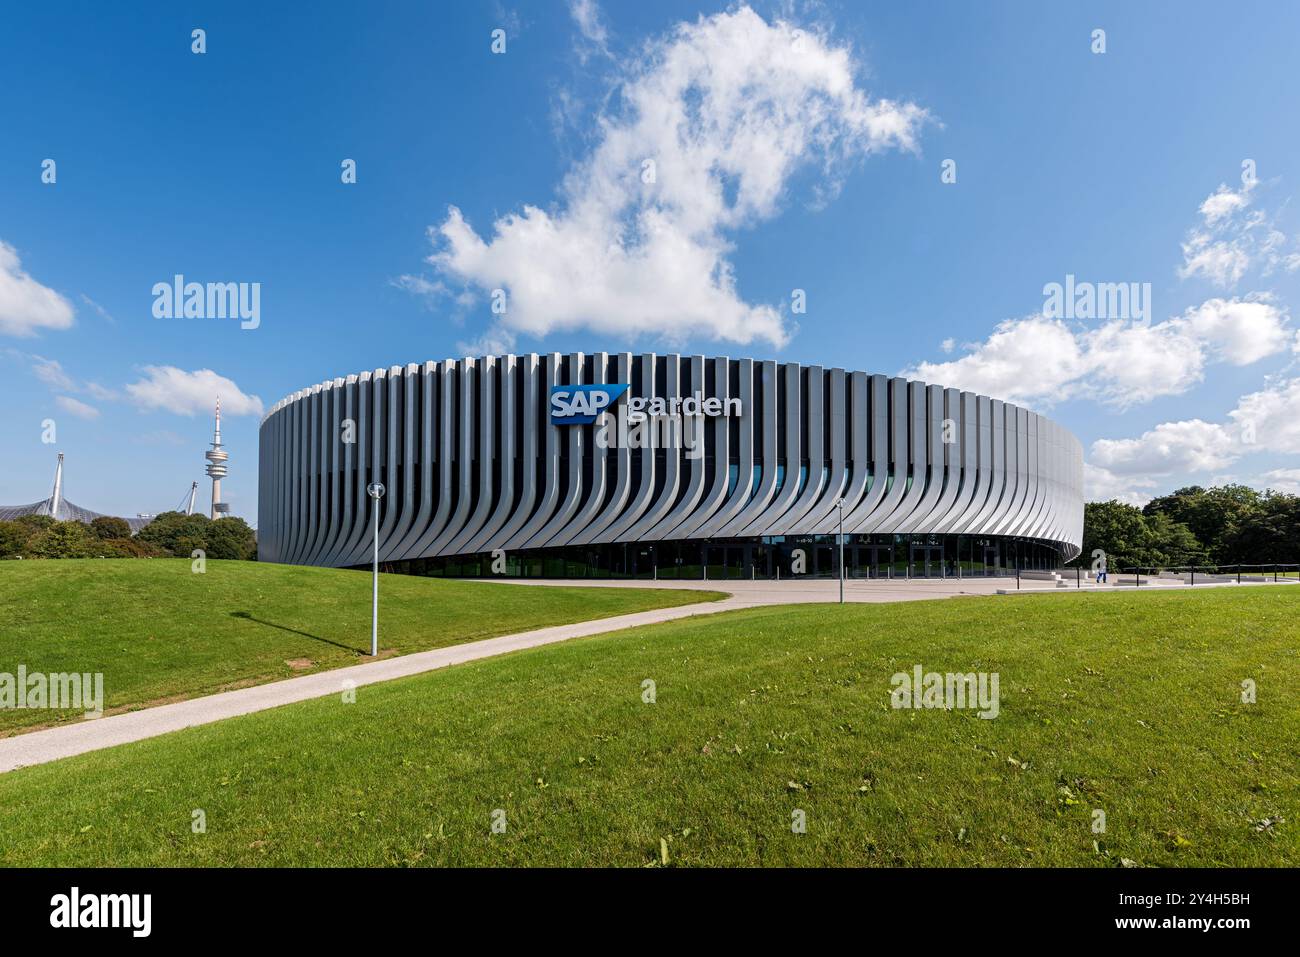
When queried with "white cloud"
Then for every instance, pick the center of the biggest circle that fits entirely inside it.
(25, 305)
(1169, 448)
(50, 371)
(419, 286)
(1224, 202)
(1101, 485)
(1223, 262)
(1241, 331)
(1121, 363)
(1024, 360)
(1232, 240)
(1262, 422)
(75, 407)
(1281, 480)
(727, 109)
(190, 393)
(586, 16)
(1269, 419)
(98, 308)
(1129, 363)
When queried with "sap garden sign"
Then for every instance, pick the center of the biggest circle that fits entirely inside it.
(580, 404)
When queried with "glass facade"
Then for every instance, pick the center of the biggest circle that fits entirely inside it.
(769, 557)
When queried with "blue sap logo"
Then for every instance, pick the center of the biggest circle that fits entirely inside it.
(580, 404)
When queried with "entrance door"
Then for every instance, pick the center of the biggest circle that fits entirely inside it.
(991, 560)
(927, 561)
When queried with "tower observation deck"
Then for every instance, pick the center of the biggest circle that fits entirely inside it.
(216, 469)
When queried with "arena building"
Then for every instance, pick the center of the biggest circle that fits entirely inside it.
(663, 466)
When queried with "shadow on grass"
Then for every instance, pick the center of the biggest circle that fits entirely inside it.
(248, 616)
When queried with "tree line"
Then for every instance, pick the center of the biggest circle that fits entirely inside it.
(1224, 525)
(169, 535)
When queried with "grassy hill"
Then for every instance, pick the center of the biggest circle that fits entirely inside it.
(1125, 703)
(158, 632)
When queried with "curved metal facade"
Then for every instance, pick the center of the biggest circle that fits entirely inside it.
(472, 462)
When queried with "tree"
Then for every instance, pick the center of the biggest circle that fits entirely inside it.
(107, 526)
(1211, 514)
(14, 537)
(64, 540)
(1121, 532)
(231, 537)
(1270, 534)
(175, 533)
(1174, 542)
(35, 523)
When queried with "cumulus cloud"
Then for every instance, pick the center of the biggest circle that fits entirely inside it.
(26, 307)
(1037, 361)
(76, 407)
(1240, 331)
(1223, 202)
(701, 140)
(998, 366)
(1101, 485)
(1268, 419)
(1262, 422)
(1169, 448)
(190, 393)
(1281, 480)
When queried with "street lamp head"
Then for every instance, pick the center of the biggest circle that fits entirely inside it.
(376, 490)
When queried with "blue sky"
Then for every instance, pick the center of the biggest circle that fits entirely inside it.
(816, 169)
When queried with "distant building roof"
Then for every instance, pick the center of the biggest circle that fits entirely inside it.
(67, 512)
(59, 508)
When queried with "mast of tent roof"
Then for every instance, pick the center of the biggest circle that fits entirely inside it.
(57, 495)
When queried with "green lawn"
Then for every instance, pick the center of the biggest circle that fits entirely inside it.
(1121, 702)
(159, 632)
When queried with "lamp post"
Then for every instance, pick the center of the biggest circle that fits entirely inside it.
(839, 504)
(376, 492)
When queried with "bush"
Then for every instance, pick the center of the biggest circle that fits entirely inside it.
(180, 535)
(231, 538)
(14, 537)
(64, 540)
(175, 533)
(108, 526)
(35, 523)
